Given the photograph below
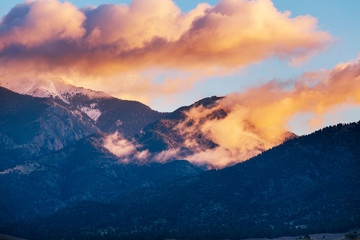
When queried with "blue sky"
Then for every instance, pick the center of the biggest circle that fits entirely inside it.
(339, 18)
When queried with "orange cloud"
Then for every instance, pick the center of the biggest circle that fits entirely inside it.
(242, 125)
(256, 120)
(32, 24)
(110, 42)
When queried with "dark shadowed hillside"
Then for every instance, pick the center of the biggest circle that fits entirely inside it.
(82, 171)
(306, 185)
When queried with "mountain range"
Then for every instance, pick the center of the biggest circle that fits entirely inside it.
(60, 179)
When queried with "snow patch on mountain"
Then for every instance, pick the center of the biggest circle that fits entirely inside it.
(45, 89)
(68, 91)
(93, 113)
(55, 88)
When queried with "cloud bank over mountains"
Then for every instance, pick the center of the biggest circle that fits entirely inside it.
(109, 46)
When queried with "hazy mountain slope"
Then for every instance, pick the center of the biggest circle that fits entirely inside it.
(162, 134)
(308, 184)
(188, 133)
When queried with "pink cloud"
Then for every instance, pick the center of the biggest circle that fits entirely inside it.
(103, 44)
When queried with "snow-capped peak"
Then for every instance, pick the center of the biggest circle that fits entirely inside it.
(51, 88)
(46, 89)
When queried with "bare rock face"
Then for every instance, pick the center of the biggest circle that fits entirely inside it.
(108, 113)
(30, 127)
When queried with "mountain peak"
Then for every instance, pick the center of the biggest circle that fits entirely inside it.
(55, 88)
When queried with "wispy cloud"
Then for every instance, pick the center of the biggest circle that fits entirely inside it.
(126, 150)
(257, 119)
(242, 125)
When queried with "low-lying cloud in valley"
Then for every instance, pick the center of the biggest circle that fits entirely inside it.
(257, 119)
(126, 150)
